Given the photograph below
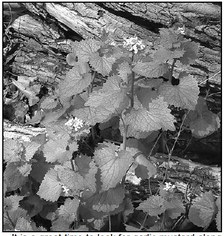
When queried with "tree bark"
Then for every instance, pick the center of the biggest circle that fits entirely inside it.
(54, 25)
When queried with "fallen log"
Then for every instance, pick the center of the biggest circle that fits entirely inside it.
(51, 23)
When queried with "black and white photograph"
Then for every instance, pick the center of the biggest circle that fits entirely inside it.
(111, 118)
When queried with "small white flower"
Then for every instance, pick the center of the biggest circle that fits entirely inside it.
(181, 30)
(65, 189)
(77, 124)
(74, 123)
(133, 44)
(169, 187)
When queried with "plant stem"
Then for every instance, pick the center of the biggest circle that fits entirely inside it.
(125, 133)
(143, 223)
(72, 164)
(178, 221)
(77, 217)
(163, 222)
(150, 190)
(132, 83)
(91, 85)
(172, 68)
(88, 145)
(132, 88)
(125, 136)
(154, 145)
(109, 219)
(9, 218)
(180, 130)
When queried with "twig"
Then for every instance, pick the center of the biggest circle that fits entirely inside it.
(167, 148)
(187, 144)
(209, 78)
(88, 145)
(171, 151)
(10, 10)
(211, 94)
(155, 144)
(177, 222)
(143, 223)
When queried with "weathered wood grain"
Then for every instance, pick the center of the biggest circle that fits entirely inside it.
(202, 21)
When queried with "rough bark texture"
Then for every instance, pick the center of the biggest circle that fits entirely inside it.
(180, 172)
(47, 33)
(23, 133)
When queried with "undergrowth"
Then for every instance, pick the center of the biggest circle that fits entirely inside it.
(72, 178)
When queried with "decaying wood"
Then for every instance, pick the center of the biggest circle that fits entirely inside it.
(22, 133)
(186, 175)
(188, 172)
(202, 21)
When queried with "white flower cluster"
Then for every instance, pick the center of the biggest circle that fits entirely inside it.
(133, 44)
(98, 224)
(169, 187)
(65, 190)
(74, 123)
(181, 30)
